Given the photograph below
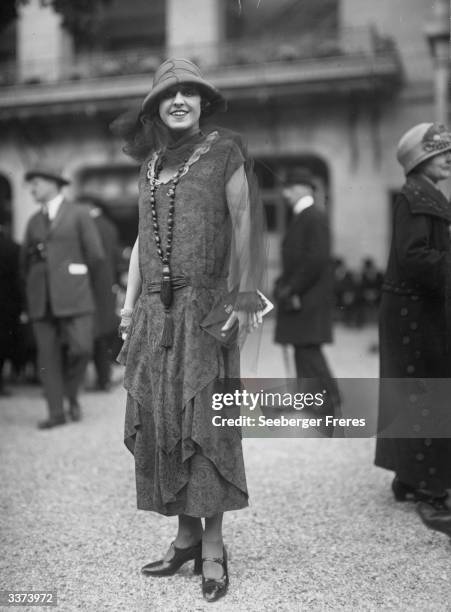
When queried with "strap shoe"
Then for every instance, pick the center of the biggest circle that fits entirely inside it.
(212, 589)
(180, 556)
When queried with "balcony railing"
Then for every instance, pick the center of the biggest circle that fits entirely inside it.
(363, 43)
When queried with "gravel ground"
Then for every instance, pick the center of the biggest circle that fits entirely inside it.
(322, 531)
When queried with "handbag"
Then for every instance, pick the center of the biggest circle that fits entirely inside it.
(217, 317)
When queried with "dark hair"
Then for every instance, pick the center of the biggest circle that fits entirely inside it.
(418, 169)
(144, 133)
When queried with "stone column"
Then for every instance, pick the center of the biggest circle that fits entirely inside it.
(44, 48)
(195, 30)
(437, 33)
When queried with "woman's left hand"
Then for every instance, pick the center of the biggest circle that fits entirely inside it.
(247, 321)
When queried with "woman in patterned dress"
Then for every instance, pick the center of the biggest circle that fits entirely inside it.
(196, 209)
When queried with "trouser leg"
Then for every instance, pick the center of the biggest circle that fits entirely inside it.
(50, 364)
(311, 364)
(78, 343)
(102, 360)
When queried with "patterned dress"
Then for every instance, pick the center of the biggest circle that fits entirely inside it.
(184, 464)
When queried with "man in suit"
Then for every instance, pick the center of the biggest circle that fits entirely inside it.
(304, 291)
(62, 259)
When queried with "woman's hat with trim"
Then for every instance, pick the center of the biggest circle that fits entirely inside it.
(422, 142)
(175, 72)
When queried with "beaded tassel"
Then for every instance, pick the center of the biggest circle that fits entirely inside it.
(167, 337)
(166, 294)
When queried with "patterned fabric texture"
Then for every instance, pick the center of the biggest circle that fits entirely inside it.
(184, 464)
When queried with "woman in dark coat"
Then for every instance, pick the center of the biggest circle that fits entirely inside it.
(196, 211)
(415, 328)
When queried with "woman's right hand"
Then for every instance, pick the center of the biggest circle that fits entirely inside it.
(124, 325)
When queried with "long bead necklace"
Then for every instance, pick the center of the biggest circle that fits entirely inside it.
(165, 255)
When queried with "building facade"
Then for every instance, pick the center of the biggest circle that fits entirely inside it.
(330, 85)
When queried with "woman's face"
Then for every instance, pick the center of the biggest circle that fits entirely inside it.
(438, 168)
(180, 108)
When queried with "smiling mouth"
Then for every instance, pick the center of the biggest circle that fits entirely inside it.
(179, 113)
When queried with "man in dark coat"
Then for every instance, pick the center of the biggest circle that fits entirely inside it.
(103, 341)
(62, 259)
(304, 291)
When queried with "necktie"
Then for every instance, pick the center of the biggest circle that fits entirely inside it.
(45, 214)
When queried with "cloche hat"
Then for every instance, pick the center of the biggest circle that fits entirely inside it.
(177, 71)
(48, 172)
(421, 142)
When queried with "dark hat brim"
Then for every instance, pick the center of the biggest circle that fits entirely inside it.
(300, 177)
(207, 91)
(31, 174)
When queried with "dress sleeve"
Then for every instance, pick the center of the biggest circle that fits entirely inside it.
(235, 159)
(247, 253)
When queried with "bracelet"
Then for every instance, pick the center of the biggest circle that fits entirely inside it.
(126, 312)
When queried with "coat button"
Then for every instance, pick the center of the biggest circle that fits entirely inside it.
(417, 354)
(427, 442)
(405, 339)
(425, 413)
(419, 456)
(404, 312)
(413, 398)
(432, 470)
(414, 325)
(423, 484)
(414, 298)
(410, 369)
(416, 428)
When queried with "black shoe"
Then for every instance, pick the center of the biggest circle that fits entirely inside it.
(181, 556)
(75, 411)
(51, 422)
(213, 589)
(404, 492)
(436, 515)
(401, 491)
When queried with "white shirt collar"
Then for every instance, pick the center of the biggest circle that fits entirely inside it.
(53, 206)
(303, 203)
